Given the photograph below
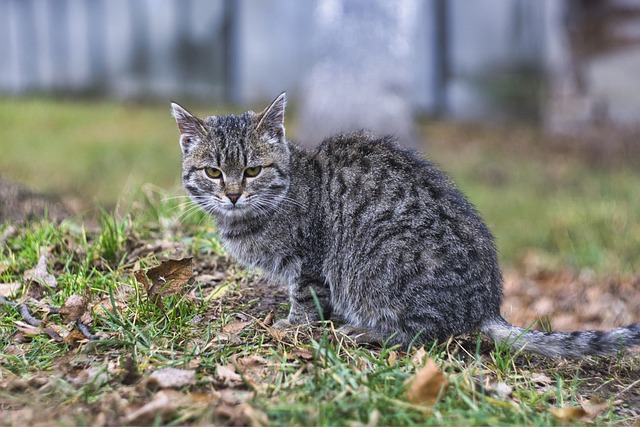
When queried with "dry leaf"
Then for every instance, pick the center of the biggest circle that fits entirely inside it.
(234, 328)
(172, 378)
(393, 356)
(300, 353)
(568, 413)
(169, 278)
(419, 356)
(501, 389)
(9, 289)
(164, 403)
(227, 375)
(426, 385)
(269, 318)
(75, 338)
(73, 308)
(38, 279)
(242, 414)
(27, 329)
(595, 406)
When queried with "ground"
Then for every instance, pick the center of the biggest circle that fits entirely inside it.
(136, 315)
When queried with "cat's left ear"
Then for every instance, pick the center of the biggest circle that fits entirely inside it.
(272, 118)
(191, 128)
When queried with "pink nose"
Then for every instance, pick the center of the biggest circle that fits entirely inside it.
(233, 197)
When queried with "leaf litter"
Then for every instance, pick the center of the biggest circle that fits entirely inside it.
(139, 390)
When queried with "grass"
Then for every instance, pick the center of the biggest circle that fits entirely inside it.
(536, 198)
(559, 207)
(313, 377)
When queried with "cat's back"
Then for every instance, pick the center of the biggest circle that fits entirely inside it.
(363, 167)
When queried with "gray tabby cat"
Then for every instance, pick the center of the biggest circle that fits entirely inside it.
(381, 238)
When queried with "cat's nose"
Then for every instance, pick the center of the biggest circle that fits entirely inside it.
(233, 197)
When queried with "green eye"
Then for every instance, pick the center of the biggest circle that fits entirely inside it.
(252, 172)
(213, 173)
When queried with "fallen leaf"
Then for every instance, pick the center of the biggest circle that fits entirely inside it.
(38, 279)
(568, 413)
(234, 328)
(269, 318)
(300, 353)
(169, 278)
(541, 378)
(73, 308)
(28, 330)
(75, 338)
(393, 355)
(242, 414)
(501, 389)
(595, 406)
(172, 378)
(163, 405)
(425, 386)
(254, 370)
(419, 356)
(9, 289)
(227, 375)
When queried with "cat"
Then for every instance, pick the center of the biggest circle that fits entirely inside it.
(362, 231)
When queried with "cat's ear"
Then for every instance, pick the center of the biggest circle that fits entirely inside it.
(272, 118)
(191, 128)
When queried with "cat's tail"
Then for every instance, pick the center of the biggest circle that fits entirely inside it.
(562, 344)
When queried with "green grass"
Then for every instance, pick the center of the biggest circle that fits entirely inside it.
(535, 199)
(95, 151)
(561, 208)
(313, 377)
(538, 200)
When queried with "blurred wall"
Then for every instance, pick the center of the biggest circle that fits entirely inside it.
(467, 58)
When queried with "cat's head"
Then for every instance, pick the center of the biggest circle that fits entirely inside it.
(235, 166)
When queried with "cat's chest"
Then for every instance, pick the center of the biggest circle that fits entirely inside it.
(277, 262)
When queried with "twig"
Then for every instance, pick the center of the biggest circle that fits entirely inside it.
(84, 329)
(26, 315)
(4, 300)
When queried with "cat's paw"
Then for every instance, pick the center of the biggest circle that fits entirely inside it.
(360, 335)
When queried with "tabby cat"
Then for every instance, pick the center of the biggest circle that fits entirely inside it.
(362, 232)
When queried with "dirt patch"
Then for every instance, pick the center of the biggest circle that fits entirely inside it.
(18, 204)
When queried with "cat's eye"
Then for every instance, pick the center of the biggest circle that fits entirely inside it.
(252, 172)
(213, 173)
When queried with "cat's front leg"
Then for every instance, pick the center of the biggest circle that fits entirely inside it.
(310, 301)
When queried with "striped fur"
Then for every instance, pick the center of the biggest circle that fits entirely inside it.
(374, 235)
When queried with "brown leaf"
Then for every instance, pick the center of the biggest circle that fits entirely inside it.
(393, 356)
(28, 330)
(300, 353)
(568, 413)
(73, 308)
(595, 406)
(39, 279)
(419, 356)
(75, 338)
(164, 404)
(172, 378)
(235, 328)
(169, 278)
(228, 376)
(269, 318)
(242, 414)
(9, 289)
(425, 386)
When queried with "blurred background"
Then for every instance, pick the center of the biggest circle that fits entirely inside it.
(531, 105)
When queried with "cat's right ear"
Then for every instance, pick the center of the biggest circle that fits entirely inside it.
(191, 128)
